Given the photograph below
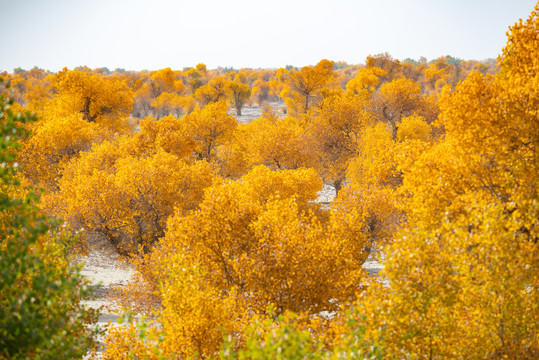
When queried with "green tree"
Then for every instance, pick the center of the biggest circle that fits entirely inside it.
(41, 316)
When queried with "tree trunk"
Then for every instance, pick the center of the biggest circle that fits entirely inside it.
(337, 184)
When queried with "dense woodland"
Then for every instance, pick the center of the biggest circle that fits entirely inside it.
(434, 164)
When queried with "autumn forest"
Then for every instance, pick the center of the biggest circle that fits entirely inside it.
(434, 166)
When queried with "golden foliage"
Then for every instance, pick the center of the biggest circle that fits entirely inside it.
(461, 279)
(214, 91)
(167, 103)
(127, 199)
(169, 134)
(106, 101)
(465, 290)
(333, 136)
(213, 254)
(401, 98)
(367, 80)
(305, 87)
(256, 241)
(85, 109)
(55, 142)
(239, 93)
(209, 128)
(276, 143)
(413, 128)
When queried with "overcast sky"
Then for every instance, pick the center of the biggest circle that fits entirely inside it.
(136, 35)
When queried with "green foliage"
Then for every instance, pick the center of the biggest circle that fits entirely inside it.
(41, 316)
(105, 70)
(274, 339)
(414, 62)
(283, 338)
(340, 65)
(452, 60)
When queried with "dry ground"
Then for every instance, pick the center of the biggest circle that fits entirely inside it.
(254, 111)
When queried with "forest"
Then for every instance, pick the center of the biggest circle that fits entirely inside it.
(434, 166)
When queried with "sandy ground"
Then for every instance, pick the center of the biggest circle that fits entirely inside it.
(254, 111)
(104, 270)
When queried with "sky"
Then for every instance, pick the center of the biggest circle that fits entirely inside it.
(151, 35)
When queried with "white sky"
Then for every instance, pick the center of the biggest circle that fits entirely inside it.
(136, 35)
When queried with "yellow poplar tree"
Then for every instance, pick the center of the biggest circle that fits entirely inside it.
(401, 98)
(462, 279)
(135, 195)
(209, 128)
(253, 242)
(304, 87)
(276, 143)
(239, 93)
(103, 100)
(333, 135)
(86, 108)
(214, 91)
